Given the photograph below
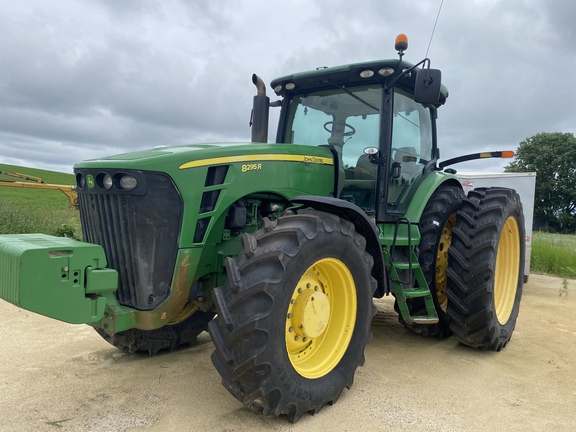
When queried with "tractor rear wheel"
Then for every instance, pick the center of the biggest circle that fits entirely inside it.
(486, 268)
(436, 223)
(294, 314)
(169, 337)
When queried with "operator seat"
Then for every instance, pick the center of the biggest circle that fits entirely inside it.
(407, 157)
(405, 168)
(360, 185)
(365, 170)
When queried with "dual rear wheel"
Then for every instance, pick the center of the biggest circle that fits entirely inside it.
(486, 268)
(472, 256)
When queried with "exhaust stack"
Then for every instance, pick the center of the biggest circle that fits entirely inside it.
(260, 111)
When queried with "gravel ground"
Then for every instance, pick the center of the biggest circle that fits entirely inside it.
(59, 377)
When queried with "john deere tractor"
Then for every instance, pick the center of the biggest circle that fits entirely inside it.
(278, 249)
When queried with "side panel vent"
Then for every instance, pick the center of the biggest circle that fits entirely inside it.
(201, 227)
(216, 175)
(209, 200)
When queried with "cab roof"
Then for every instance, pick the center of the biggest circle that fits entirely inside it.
(348, 75)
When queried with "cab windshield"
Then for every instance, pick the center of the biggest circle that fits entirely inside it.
(348, 121)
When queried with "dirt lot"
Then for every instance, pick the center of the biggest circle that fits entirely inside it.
(59, 377)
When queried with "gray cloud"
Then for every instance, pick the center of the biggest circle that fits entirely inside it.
(84, 79)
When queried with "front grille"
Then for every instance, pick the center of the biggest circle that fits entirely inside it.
(139, 234)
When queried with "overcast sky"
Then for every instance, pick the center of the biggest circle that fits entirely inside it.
(84, 79)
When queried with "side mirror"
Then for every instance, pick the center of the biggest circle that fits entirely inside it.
(427, 86)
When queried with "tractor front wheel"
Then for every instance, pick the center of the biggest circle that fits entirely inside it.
(486, 268)
(294, 314)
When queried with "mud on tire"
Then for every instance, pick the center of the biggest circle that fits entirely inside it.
(486, 268)
(294, 314)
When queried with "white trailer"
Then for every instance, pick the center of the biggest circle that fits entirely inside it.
(523, 183)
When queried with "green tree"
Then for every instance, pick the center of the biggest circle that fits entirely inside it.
(553, 157)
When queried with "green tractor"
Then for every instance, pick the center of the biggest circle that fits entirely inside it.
(279, 249)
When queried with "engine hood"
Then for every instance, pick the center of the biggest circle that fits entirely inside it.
(168, 159)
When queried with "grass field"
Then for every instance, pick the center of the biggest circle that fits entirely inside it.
(24, 210)
(554, 254)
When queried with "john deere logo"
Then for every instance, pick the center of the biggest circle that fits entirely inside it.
(90, 180)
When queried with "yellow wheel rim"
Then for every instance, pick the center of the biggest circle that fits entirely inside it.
(506, 273)
(442, 262)
(320, 318)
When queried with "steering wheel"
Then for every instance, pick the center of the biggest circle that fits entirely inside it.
(351, 132)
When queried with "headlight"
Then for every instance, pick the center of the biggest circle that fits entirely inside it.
(107, 181)
(386, 71)
(128, 182)
(80, 181)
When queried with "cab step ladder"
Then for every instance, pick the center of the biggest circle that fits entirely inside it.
(415, 286)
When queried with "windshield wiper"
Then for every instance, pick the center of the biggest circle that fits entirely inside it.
(358, 98)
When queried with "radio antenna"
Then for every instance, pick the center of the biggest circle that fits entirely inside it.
(434, 29)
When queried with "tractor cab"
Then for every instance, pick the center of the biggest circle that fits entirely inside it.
(370, 115)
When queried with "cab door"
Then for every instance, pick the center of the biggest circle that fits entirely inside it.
(410, 152)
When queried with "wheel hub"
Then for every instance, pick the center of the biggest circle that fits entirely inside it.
(320, 318)
(310, 314)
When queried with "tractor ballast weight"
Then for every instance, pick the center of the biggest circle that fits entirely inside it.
(278, 249)
(72, 274)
